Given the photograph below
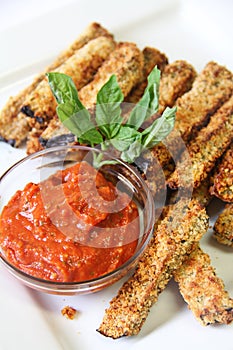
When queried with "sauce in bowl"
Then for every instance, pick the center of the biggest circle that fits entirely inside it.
(74, 226)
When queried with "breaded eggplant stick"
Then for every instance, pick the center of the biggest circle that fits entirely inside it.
(152, 57)
(11, 128)
(40, 106)
(173, 241)
(200, 194)
(212, 87)
(223, 227)
(206, 148)
(126, 62)
(177, 79)
(203, 290)
(223, 177)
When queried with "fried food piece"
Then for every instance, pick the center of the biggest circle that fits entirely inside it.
(69, 312)
(177, 79)
(203, 291)
(206, 148)
(223, 177)
(61, 136)
(152, 57)
(223, 231)
(212, 87)
(126, 62)
(173, 240)
(40, 105)
(200, 194)
(14, 128)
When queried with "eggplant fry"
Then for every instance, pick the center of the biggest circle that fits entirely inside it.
(203, 290)
(152, 57)
(15, 129)
(177, 79)
(206, 148)
(223, 226)
(200, 194)
(126, 62)
(223, 178)
(212, 87)
(56, 132)
(40, 106)
(173, 240)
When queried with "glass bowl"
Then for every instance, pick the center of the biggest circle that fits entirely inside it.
(49, 164)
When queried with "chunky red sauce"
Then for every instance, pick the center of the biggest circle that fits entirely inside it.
(74, 226)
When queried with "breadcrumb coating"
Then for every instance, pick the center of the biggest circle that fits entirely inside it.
(203, 290)
(177, 79)
(212, 87)
(126, 62)
(206, 148)
(223, 227)
(13, 127)
(173, 240)
(152, 57)
(40, 106)
(223, 178)
(200, 194)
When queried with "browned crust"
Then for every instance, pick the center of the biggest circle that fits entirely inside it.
(200, 194)
(69, 312)
(81, 67)
(223, 177)
(12, 127)
(152, 57)
(223, 231)
(173, 240)
(203, 290)
(92, 31)
(126, 62)
(206, 148)
(177, 79)
(212, 87)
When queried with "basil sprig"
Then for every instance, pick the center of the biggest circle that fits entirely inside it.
(107, 128)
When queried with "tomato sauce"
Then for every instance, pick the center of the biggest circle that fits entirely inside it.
(73, 226)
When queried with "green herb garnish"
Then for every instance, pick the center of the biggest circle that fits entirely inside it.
(107, 128)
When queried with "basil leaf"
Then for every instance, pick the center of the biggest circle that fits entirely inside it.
(133, 152)
(92, 137)
(79, 123)
(108, 111)
(149, 102)
(71, 111)
(63, 88)
(125, 137)
(159, 129)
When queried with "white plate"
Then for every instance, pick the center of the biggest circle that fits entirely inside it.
(31, 320)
